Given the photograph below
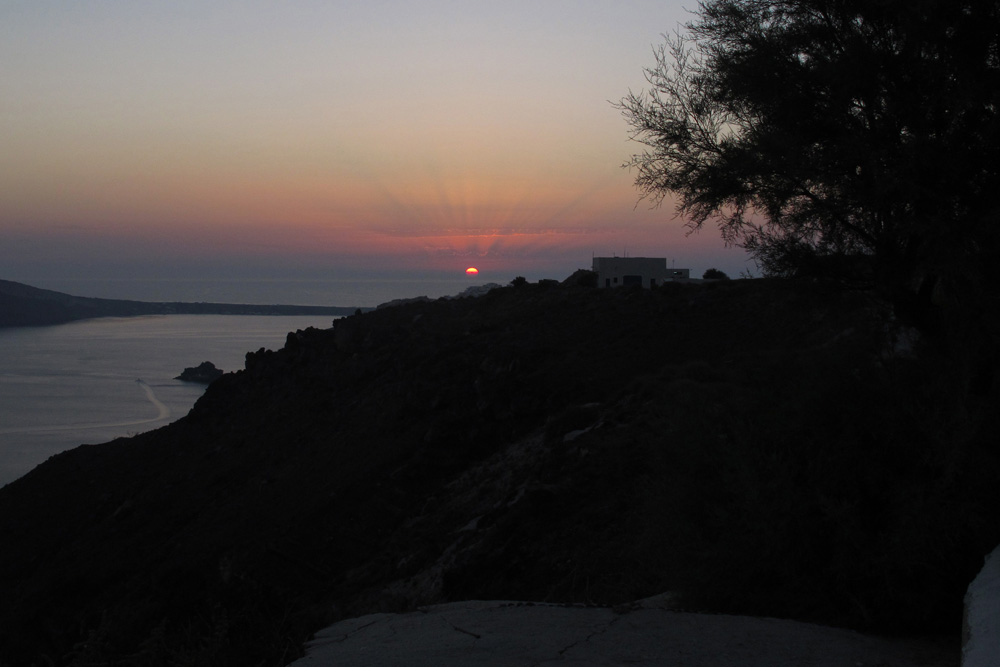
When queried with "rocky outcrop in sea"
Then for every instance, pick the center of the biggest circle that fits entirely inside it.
(203, 373)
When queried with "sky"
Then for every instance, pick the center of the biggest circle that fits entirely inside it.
(320, 139)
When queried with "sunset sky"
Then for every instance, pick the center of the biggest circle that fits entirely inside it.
(318, 138)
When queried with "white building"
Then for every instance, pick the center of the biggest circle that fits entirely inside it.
(645, 271)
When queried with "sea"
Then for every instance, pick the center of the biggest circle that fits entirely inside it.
(92, 381)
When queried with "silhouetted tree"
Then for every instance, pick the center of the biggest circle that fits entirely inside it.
(812, 128)
(714, 274)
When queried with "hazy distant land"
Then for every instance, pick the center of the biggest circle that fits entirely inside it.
(23, 306)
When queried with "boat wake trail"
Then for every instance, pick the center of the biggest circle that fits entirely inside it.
(164, 410)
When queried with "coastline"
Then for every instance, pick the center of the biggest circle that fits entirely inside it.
(22, 306)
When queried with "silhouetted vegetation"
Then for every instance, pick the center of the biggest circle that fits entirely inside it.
(810, 129)
(582, 278)
(714, 274)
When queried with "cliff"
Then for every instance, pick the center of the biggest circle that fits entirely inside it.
(22, 305)
(755, 447)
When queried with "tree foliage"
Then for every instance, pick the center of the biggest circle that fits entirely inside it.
(812, 128)
(714, 274)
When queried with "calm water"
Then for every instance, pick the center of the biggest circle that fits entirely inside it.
(93, 381)
(348, 293)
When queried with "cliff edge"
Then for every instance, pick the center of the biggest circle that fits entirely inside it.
(780, 449)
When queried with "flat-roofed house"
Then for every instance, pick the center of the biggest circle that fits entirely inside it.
(644, 271)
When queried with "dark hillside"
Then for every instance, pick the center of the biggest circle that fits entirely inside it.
(758, 447)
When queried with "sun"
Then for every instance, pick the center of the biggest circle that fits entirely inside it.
(472, 270)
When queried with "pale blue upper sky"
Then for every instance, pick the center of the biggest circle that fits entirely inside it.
(259, 137)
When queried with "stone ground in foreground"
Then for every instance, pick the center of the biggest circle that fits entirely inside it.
(517, 633)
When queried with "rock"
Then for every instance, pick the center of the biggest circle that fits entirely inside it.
(205, 373)
(981, 640)
(485, 633)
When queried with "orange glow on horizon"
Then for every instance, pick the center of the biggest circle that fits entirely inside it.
(472, 270)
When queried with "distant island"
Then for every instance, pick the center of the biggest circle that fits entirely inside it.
(25, 306)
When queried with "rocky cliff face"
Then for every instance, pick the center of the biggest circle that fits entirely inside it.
(756, 447)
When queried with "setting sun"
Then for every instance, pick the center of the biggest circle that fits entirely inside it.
(472, 270)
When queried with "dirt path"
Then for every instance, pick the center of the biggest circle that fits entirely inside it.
(494, 634)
